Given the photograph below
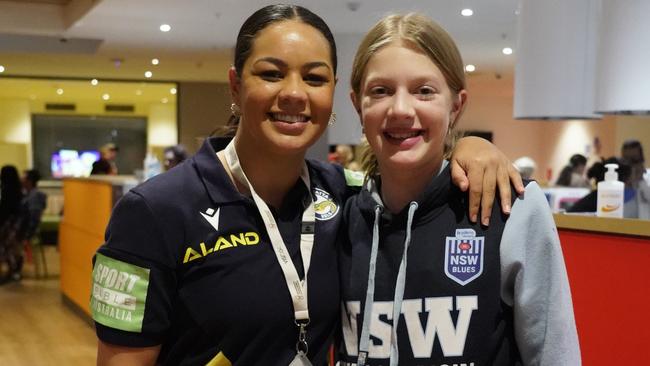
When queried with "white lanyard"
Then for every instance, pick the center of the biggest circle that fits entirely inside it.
(297, 288)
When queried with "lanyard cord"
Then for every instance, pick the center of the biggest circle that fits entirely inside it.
(297, 288)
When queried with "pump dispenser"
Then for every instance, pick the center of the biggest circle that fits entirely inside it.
(610, 194)
(152, 166)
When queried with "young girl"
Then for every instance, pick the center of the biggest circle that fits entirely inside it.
(421, 284)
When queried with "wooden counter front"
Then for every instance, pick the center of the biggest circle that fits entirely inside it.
(88, 205)
(608, 263)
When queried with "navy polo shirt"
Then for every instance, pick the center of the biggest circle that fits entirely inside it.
(187, 264)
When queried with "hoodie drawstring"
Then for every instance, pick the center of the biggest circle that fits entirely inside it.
(364, 340)
(399, 287)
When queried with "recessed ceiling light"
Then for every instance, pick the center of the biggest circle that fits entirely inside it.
(467, 12)
(165, 28)
(470, 68)
(148, 74)
(106, 97)
(59, 91)
(138, 92)
(173, 91)
(164, 100)
(155, 61)
(507, 51)
(94, 82)
(2, 68)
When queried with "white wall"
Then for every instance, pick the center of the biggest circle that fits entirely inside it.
(161, 125)
(15, 121)
(15, 133)
(634, 127)
(347, 129)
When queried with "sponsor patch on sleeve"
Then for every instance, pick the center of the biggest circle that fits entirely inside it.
(119, 294)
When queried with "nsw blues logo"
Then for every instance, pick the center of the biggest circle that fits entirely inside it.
(464, 256)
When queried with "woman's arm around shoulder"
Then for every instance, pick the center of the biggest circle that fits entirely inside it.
(477, 165)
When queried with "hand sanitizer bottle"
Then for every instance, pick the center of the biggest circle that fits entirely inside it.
(152, 166)
(610, 194)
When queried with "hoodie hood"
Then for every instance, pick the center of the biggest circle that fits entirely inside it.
(430, 201)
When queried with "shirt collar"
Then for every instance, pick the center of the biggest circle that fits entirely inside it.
(218, 182)
(215, 178)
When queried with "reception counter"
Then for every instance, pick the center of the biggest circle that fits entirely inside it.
(608, 262)
(88, 205)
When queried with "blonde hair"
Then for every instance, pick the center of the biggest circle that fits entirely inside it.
(427, 36)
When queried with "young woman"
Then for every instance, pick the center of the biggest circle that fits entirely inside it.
(572, 175)
(230, 258)
(11, 217)
(421, 284)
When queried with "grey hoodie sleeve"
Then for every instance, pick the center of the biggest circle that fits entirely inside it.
(535, 283)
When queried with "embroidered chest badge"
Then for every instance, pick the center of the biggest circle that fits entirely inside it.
(464, 256)
(325, 208)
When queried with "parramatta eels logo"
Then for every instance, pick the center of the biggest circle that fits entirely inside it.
(325, 208)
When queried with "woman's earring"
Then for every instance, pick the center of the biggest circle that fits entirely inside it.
(332, 120)
(234, 109)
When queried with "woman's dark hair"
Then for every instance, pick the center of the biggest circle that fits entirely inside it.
(632, 150)
(276, 13)
(564, 179)
(261, 19)
(577, 160)
(10, 192)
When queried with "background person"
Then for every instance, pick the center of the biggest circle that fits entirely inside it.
(344, 155)
(10, 219)
(632, 153)
(572, 175)
(637, 203)
(34, 202)
(526, 167)
(174, 155)
(106, 163)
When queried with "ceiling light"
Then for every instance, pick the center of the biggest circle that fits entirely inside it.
(94, 82)
(148, 74)
(164, 100)
(59, 91)
(165, 28)
(173, 91)
(507, 51)
(106, 97)
(470, 68)
(2, 69)
(467, 12)
(155, 61)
